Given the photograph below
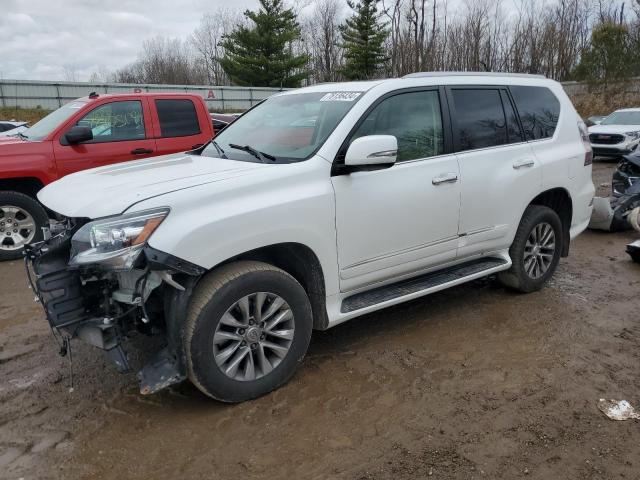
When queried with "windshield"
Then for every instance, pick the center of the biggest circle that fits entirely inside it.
(288, 127)
(622, 118)
(49, 123)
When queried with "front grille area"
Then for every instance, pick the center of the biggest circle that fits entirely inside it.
(606, 139)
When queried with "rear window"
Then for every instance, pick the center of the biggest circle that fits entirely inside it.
(539, 111)
(178, 118)
(480, 118)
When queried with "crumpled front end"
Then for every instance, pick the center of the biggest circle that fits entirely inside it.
(104, 297)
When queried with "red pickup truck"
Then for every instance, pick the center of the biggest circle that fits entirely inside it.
(85, 133)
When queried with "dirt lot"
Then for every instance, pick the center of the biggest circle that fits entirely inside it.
(474, 382)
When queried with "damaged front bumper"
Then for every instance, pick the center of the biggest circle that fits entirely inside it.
(103, 306)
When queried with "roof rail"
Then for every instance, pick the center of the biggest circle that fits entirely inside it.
(472, 74)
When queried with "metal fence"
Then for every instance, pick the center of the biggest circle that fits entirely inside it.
(51, 95)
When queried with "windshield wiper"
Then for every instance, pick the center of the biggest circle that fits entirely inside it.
(256, 153)
(219, 149)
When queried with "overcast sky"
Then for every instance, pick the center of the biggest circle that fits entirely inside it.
(38, 38)
(42, 39)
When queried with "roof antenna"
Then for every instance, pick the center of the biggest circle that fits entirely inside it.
(93, 95)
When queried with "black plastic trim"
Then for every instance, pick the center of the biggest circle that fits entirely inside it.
(159, 260)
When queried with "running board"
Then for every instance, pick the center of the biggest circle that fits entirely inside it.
(429, 281)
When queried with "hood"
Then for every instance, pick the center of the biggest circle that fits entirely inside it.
(608, 129)
(111, 190)
(10, 137)
(13, 131)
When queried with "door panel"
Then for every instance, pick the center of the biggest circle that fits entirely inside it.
(120, 132)
(495, 188)
(395, 221)
(499, 173)
(402, 219)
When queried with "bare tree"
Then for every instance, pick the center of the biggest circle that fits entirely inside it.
(538, 37)
(321, 39)
(71, 72)
(206, 41)
(164, 60)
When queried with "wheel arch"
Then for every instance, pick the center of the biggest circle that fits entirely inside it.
(559, 200)
(28, 185)
(301, 262)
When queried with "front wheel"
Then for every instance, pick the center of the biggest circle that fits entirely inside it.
(21, 222)
(535, 251)
(248, 328)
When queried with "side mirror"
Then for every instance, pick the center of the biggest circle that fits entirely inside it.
(78, 134)
(372, 151)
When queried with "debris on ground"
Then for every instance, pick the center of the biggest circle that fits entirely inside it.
(618, 409)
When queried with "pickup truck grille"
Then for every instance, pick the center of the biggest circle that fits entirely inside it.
(605, 139)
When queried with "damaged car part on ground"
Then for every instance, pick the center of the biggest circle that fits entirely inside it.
(102, 294)
(613, 214)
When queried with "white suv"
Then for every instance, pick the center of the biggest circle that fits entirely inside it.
(618, 134)
(316, 206)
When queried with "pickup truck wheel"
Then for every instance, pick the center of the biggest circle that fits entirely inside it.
(535, 251)
(21, 222)
(248, 327)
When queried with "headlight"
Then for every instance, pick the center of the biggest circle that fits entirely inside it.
(634, 135)
(115, 242)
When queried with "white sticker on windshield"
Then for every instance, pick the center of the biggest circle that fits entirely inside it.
(340, 97)
(76, 105)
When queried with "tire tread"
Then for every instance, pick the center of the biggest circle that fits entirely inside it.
(205, 290)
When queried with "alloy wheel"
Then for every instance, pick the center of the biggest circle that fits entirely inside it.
(539, 250)
(17, 227)
(253, 336)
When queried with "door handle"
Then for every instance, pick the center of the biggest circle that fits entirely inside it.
(446, 178)
(141, 151)
(527, 163)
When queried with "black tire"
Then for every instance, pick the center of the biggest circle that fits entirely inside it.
(27, 204)
(215, 294)
(517, 278)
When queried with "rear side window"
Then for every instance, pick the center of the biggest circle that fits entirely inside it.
(480, 118)
(178, 118)
(539, 111)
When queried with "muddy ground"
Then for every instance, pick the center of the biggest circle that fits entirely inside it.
(474, 382)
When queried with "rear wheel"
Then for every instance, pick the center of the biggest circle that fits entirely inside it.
(21, 222)
(535, 251)
(248, 327)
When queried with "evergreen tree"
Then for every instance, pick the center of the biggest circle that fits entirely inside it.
(363, 37)
(261, 55)
(611, 56)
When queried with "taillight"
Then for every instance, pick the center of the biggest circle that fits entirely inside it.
(584, 135)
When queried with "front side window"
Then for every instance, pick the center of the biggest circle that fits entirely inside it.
(289, 127)
(178, 118)
(115, 122)
(480, 118)
(539, 111)
(414, 118)
(40, 130)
